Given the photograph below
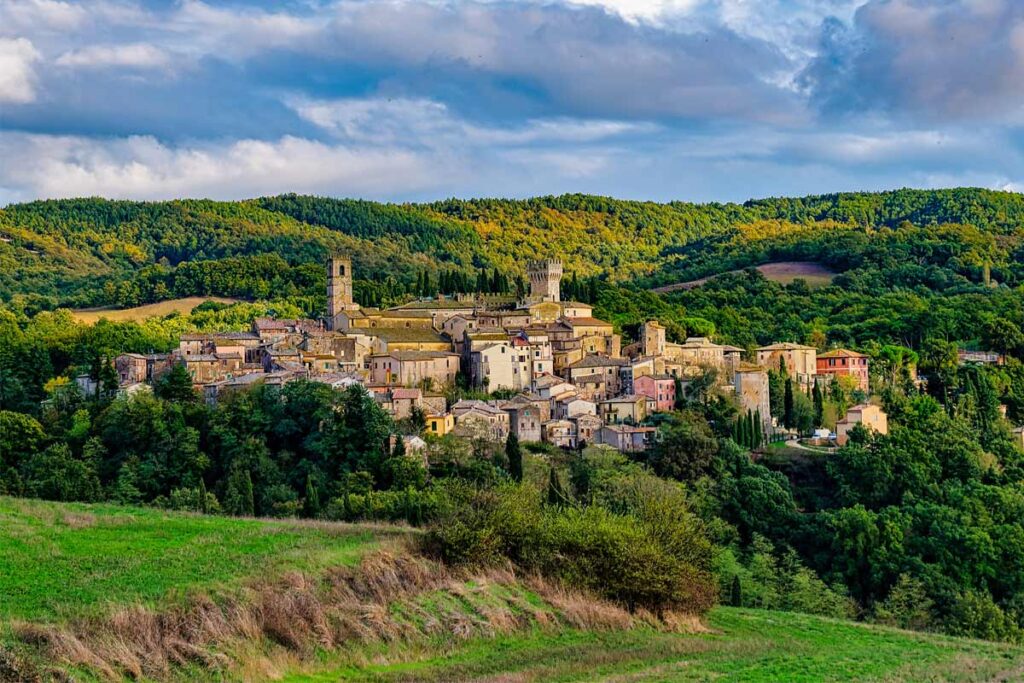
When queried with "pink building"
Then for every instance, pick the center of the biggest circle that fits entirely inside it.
(660, 388)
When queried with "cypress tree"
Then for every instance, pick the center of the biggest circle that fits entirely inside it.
(248, 498)
(556, 495)
(819, 405)
(736, 599)
(758, 436)
(399, 450)
(515, 457)
(787, 415)
(311, 506)
(202, 496)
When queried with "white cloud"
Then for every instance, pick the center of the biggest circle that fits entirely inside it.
(132, 55)
(144, 168)
(17, 77)
(20, 16)
(427, 123)
(242, 32)
(649, 11)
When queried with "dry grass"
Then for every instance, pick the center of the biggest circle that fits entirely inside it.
(159, 309)
(393, 596)
(784, 272)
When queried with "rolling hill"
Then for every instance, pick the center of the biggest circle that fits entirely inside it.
(104, 592)
(94, 252)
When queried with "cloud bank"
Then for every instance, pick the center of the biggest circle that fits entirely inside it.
(416, 99)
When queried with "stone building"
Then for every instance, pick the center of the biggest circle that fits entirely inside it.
(801, 361)
(339, 291)
(751, 384)
(414, 368)
(545, 280)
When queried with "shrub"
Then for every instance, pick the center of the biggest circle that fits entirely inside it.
(189, 499)
(655, 558)
(410, 505)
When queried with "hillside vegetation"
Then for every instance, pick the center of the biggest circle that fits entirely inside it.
(92, 252)
(351, 603)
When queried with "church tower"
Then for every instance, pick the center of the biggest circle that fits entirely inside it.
(545, 279)
(339, 289)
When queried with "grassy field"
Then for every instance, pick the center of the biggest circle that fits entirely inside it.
(784, 272)
(162, 308)
(741, 645)
(64, 561)
(356, 614)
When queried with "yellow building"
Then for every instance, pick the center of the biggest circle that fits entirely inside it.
(439, 425)
(871, 416)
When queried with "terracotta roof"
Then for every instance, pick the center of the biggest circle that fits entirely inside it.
(786, 346)
(626, 398)
(586, 321)
(596, 361)
(401, 334)
(841, 353)
(627, 429)
(406, 394)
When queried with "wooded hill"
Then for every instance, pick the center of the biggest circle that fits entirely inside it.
(87, 252)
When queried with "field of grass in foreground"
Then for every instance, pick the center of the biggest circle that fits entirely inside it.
(742, 645)
(159, 309)
(59, 561)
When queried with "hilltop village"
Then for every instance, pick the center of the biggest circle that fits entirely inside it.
(568, 379)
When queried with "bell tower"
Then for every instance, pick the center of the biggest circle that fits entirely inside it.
(339, 289)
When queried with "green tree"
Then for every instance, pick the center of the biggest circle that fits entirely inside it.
(788, 419)
(736, 593)
(556, 493)
(685, 449)
(239, 498)
(515, 457)
(176, 385)
(311, 502)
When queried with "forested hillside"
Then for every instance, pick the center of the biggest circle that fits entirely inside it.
(918, 528)
(88, 252)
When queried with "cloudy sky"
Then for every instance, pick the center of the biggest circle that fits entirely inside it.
(400, 100)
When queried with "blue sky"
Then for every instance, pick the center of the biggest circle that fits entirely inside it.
(405, 100)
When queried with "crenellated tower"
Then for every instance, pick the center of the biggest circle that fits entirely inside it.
(545, 279)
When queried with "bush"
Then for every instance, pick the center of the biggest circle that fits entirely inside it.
(190, 500)
(656, 558)
(410, 505)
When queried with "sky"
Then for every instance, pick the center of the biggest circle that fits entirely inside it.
(415, 100)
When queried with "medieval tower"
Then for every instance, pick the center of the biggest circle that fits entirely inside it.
(545, 279)
(653, 339)
(339, 289)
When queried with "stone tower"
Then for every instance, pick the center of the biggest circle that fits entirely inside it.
(339, 288)
(545, 279)
(653, 339)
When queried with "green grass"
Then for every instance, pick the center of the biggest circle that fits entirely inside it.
(64, 561)
(744, 645)
(59, 562)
